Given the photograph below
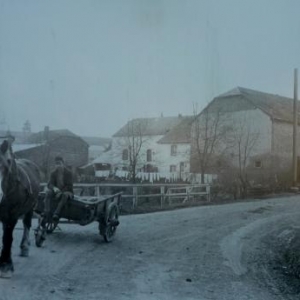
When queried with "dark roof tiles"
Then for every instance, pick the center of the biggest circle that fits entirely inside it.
(278, 107)
(180, 134)
(149, 126)
(40, 137)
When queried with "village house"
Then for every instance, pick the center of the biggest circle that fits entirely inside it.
(42, 147)
(98, 169)
(97, 146)
(99, 162)
(159, 153)
(254, 135)
(175, 148)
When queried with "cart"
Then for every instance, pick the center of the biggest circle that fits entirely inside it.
(81, 210)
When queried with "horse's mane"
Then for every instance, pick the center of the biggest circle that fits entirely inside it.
(27, 163)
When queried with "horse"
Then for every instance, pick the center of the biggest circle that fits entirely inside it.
(20, 185)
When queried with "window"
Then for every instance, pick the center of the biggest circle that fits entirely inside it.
(219, 163)
(181, 166)
(125, 154)
(172, 168)
(173, 150)
(149, 155)
(258, 164)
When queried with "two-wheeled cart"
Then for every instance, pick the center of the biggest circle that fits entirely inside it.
(82, 210)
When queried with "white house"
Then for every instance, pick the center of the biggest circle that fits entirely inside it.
(175, 148)
(97, 146)
(159, 154)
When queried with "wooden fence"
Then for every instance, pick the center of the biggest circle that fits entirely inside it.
(163, 194)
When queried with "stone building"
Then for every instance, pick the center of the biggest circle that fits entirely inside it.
(42, 147)
(255, 129)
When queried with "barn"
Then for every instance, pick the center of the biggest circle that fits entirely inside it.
(249, 130)
(42, 147)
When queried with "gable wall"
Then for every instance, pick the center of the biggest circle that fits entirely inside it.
(239, 118)
(165, 159)
(283, 139)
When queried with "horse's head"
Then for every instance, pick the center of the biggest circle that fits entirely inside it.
(6, 156)
(7, 162)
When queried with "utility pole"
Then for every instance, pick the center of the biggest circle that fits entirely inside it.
(295, 131)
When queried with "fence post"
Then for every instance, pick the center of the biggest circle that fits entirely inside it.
(208, 192)
(134, 193)
(162, 196)
(98, 191)
(168, 195)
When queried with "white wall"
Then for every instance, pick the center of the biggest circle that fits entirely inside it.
(165, 159)
(119, 144)
(161, 154)
(283, 139)
(259, 127)
(237, 125)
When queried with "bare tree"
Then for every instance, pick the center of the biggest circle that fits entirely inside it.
(208, 132)
(243, 140)
(133, 140)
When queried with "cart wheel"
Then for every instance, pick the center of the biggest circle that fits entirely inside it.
(111, 224)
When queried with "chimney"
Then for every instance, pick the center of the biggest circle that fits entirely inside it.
(46, 133)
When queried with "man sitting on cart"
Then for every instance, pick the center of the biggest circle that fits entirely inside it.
(60, 186)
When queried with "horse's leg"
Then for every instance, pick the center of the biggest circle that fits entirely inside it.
(25, 243)
(6, 264)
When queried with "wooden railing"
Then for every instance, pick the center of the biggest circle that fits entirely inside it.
(166, 194)
(189, 192)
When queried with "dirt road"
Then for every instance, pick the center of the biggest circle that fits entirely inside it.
(212, 252)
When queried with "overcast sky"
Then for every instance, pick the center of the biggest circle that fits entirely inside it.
(91, 65)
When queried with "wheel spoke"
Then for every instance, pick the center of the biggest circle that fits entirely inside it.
(50, 226)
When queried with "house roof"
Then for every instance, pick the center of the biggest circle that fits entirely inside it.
(149, 126)
(97, 141)
(179, 134)
(39, 137)
(104, 158)
(278, 107)
(22, 147)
